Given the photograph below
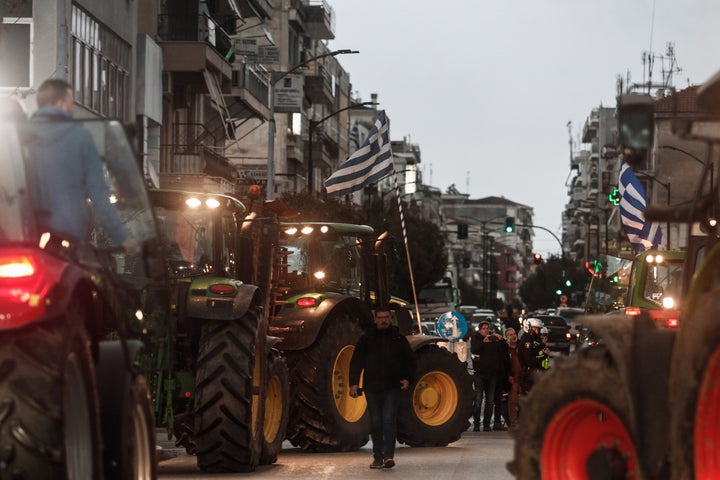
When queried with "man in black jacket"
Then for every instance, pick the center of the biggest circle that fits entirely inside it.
(486, 367)
(387, 359)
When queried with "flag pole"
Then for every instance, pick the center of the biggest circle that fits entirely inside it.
(407, 252)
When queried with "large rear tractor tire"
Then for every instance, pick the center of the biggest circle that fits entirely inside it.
(324, 417)
(574, 423)
(49, 418)
(277, 407)
(436, 409)
(695, 392)
(228, 393)
(128, 423)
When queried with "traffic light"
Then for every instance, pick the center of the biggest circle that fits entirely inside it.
(509, 224)
(462, 231)
(467, 258)
(537, 258)
(595, 268)
(614, 196)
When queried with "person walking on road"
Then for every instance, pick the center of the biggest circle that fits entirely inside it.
(486, 367)
(387, 359)
(533, 353)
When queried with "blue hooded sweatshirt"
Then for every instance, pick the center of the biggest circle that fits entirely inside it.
(67, 171)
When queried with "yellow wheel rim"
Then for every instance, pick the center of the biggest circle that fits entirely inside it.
(351, 409)
(435, 398)
(255, 405)
(273, 409)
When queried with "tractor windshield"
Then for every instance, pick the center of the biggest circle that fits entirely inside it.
(324, 263)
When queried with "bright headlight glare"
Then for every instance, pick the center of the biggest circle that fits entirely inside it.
(193, 202)
(212, 203)
(306, 230)
(319, 274)
(668, 302)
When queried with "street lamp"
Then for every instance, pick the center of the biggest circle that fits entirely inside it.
(311, 132)
(708, 166)
(277, 76)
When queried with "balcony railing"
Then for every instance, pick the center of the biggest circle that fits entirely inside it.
(253, 78)
(195, 28)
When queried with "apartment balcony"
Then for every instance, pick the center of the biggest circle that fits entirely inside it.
(318, 88)
(250, 91)
(314, 17)
(322, 155)
(590, 129)
(251, 8)
(192, 44)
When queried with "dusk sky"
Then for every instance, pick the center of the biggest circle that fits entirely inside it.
(486, 89)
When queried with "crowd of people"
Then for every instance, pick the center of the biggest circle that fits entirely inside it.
(503, 369)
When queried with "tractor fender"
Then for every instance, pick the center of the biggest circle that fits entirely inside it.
(299, 327)
(641, 351)
(202, 304)
(418, 341)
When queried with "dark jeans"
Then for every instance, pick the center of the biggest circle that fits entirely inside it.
(484, 387)
(383, 408)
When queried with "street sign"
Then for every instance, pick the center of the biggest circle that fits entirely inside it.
(452, 326)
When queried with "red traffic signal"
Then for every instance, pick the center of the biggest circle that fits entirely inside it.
(537, 258)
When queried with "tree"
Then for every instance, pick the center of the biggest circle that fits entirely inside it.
(539, 290)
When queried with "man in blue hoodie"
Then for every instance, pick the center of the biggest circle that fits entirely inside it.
(68, 169)
(389, 365)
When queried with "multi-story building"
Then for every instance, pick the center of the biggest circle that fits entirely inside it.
(491, 260)
(589, 226)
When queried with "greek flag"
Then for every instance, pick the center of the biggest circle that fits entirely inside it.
(355, 137)
(370, 163)
(633, 200)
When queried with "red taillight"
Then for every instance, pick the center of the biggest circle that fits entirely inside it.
(632, 311)
(672, 322)
(16, 267)
(222, 289)
(307, 302)
(26, 277)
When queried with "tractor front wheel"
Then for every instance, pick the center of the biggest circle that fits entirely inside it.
(574, 421)
(436, 410)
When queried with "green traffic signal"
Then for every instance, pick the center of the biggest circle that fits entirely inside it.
(558, 292)
(509, 224)
(568, 283)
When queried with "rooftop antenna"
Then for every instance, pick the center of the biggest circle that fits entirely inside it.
(467, 182)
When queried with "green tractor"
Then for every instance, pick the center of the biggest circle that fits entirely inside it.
(328, 277)
(254, 303)
(212, 367)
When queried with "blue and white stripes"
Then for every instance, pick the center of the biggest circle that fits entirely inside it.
(633, 200)
(370, 163)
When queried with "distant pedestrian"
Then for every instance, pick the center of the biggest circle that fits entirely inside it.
(486, 366)
(502, 387)
(388, 362)
(514, 393)
(533, 353)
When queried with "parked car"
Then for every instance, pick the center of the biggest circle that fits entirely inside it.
(569, 314)
(558, 333)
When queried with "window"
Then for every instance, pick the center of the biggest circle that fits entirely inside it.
(101, 64)
(16, 36)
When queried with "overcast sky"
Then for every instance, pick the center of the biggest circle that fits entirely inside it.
(488, 87)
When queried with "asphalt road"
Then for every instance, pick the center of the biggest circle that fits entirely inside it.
(475, 455)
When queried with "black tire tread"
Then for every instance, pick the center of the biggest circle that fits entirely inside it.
(225, 438)
(31, 383)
